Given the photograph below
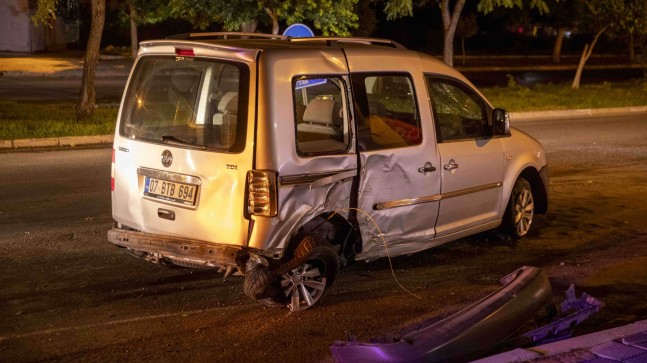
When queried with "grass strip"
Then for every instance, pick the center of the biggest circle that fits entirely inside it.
(515, 98)
(23, 120)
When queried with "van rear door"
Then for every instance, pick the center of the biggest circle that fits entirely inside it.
(183, 146)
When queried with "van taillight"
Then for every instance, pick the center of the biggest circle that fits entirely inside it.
(112, 172)
(261, 193)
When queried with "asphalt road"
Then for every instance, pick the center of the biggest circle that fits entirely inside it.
(69, 295)
(108, 88)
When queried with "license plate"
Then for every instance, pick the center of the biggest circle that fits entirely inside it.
(170, 191)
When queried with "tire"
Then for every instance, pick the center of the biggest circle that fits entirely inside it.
(520, 211)
(257, 283)
(299, 283)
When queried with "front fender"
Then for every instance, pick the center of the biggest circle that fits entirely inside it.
(525, 157)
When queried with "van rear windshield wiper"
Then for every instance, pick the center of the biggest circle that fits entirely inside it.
(170, 139)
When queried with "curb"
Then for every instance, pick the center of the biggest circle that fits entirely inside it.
(531, 68)
(579, 113)
(62, 141)
(578, 346)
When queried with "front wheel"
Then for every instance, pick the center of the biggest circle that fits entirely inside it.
(520, 210)
(299, 283)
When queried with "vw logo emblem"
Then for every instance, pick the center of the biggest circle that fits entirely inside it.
(167, 158)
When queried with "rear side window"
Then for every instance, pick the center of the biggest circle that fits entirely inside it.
(387, 114)
(194, 103)
(321, 114)
(459, 112)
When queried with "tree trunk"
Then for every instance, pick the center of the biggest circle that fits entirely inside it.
(463, 48)
(450, 21)
(248, 27)
(586, 54)
(580, 67)
(275, 20)
(133, 30)
(87, 96)
(632, 53)
(557, 48)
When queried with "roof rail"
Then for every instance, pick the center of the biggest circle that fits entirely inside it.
(331, 41)
(224, 35)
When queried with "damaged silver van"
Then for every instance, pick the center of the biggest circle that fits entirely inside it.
(284, 159)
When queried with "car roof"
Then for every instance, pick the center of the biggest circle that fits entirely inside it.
(246, 46)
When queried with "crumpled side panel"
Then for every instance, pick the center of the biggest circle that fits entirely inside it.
(388, 177)
(298, 205)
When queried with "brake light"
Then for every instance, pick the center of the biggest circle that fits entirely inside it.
(261, 193)
(184, 52)
(112, 172)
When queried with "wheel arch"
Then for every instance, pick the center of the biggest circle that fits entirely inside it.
(539, 190)
(329, 227)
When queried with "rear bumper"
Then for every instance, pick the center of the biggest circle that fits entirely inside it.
(177, 248)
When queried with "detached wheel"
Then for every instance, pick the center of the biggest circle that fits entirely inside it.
(300, 282)
(520, 210)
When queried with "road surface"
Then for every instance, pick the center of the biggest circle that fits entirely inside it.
(53, 89)
(69, 295)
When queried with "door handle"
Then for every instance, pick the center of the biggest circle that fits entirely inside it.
(428, 168)
(451, 166)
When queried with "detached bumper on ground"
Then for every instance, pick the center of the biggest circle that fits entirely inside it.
(468, 333)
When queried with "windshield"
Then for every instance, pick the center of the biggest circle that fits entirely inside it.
(190, 102)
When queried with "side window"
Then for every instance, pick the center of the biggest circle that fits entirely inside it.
(459, 113)
(321, 115)
(387, 114)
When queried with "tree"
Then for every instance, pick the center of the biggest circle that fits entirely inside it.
(629, 19)
(330, 17)
(618, 17)
(467, 27)
(141, 12)
(244, 15)
(87, 95)
(586, 54)
(564, 15)
(450, 15)
(367, 21)
(45, 13)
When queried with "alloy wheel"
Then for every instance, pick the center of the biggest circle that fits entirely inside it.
(303, 286)
(524, 210)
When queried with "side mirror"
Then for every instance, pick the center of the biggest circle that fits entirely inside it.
(501, 122)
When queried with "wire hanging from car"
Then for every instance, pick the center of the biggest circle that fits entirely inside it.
(386, 248)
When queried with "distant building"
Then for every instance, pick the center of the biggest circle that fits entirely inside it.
(19, 34)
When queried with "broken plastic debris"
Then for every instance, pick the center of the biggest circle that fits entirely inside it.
(578, 310)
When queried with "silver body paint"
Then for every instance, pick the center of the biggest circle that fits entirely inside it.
(401, 208)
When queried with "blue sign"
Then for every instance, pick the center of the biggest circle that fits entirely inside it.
(298, 31)
(305, 83)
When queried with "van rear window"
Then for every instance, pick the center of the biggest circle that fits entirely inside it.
(192, 102)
